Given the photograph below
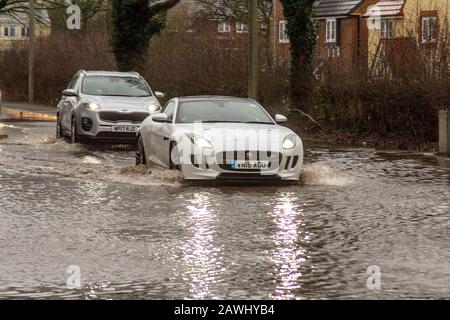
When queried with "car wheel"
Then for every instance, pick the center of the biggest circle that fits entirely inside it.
(140, 152)
(73, 131)
(59, 133)
(175, 160)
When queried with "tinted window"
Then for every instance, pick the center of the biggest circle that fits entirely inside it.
(115, 86)
(221, 111)
(73, 82)
(169, 109)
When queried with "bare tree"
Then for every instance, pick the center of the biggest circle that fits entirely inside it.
(89, 10)
(56, 9)
(16, 9)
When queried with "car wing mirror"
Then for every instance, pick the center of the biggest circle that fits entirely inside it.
(279, 118)
(70, 93)
(160, 117)
(159, 94)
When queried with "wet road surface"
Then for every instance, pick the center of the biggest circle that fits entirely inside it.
(138, 233)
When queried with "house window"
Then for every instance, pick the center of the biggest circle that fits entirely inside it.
(241, 27)
(224, 26)
(429, 29)
(333, 52)
(387, 28)
(24, 32)
(9, 31)
(331, 30)
(282, 32)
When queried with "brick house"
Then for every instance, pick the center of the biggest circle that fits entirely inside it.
(14, 29)
(279, 37)
(342, 32)
(190, 15)
(401, 29)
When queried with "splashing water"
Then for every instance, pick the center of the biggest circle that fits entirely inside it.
(149, 176)
(47, 140)
(320, 174)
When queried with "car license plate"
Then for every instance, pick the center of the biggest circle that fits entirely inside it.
(237, 164)
(124, 128)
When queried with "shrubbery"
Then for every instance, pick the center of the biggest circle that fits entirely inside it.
(192, 63)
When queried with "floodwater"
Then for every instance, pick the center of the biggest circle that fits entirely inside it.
(146, 234)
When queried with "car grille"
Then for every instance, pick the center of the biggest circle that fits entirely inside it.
(135, 117)
(119, 135)
(224, 159)
(247, 177)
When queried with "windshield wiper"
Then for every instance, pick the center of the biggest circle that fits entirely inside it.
(259, 122)
(221, 121)
(121, 95)
(231, 121)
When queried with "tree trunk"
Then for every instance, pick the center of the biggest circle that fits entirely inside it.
(301, 82)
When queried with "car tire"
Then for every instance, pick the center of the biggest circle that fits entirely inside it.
(140, 152)
(59, 133)
(73, 131)
(174, 157)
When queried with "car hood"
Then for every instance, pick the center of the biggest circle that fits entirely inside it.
(123, 104)
(235, 133)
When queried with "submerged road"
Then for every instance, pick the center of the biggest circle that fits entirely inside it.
(144, 233)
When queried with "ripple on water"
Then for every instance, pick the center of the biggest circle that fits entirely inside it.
(63, 205)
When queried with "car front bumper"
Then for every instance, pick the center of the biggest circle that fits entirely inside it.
(101, 130)
(286, 165)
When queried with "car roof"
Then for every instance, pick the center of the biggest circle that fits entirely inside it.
(111, 73)
(211, 97)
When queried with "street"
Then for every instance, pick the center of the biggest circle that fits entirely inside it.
(134, 232)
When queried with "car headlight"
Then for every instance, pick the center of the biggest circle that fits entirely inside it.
(200, 141)
(289, 141)
(91, 106)
(153, 107)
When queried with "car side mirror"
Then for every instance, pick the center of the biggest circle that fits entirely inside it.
(279, 118)
(159, 94)
(70, 93)
(160, 117)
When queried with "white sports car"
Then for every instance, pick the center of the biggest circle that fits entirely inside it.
(214, 137)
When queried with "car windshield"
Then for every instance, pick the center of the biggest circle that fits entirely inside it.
(115, 86)
(221, 111)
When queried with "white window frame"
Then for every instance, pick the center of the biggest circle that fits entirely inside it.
(427, 29)
(241, 27)
(282, 32)
(27, 32)
(387, 28)
(333, 52)
(223, 26)
(331, 30)
(7, 29)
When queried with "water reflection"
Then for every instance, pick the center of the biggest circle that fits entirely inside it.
(201, 256)
(288, 254)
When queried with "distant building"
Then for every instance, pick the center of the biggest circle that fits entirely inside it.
(14, 29)
(193, 16)
(215, 25)
(400, 29)
(183, 16)
(360, 34)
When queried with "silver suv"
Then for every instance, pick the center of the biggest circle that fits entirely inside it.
(106, 106)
